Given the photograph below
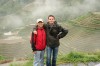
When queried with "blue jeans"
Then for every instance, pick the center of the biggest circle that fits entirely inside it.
(54, 52)
(39, 58)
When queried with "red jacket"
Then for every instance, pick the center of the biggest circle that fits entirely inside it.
(38, 41)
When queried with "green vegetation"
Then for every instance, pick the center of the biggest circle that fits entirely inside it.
(80, 18)
(16, 64)
(29, 63)
(89, 20)
(72, 57)
(2, 58)
(96, 21)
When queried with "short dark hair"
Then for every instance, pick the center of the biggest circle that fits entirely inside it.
(51, 16)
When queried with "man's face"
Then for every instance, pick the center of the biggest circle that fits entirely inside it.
(51, 20)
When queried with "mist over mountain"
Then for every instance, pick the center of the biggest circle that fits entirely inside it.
(80, 17)
(29, 10)
(18, 13)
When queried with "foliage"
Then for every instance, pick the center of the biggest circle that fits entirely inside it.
(2, 57)
(72, 57)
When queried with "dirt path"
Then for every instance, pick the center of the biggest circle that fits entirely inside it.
(6, 64)
(80, 64)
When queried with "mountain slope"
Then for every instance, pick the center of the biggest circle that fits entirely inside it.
(84, 34)
(90, 20)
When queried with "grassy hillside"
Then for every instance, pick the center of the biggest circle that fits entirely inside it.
(17, 15)
(84, 34)
(90, 20)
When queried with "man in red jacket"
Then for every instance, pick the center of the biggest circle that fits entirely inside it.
(38, 43)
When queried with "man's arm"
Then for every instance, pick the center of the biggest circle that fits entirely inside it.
(62, 32)
(32, 42)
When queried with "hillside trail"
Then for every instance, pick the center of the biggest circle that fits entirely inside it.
(6, 64)
(79, 64)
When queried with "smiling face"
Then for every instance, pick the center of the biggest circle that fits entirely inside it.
(51, 20)
(40, 24)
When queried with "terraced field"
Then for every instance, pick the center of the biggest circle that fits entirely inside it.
(84, 35)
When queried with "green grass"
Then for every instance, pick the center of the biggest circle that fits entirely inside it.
(92, 21)
(96, 21)
(75, 57)
(16, 64)
(29, 63)
(72, 57)
(83, 16)
(2, 58)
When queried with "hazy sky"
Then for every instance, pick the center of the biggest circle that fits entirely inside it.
(54, 6)
(42, 8)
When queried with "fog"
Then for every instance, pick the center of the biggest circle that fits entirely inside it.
(17, 17)
(21, 12)
(64, 9)
(13, 20)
